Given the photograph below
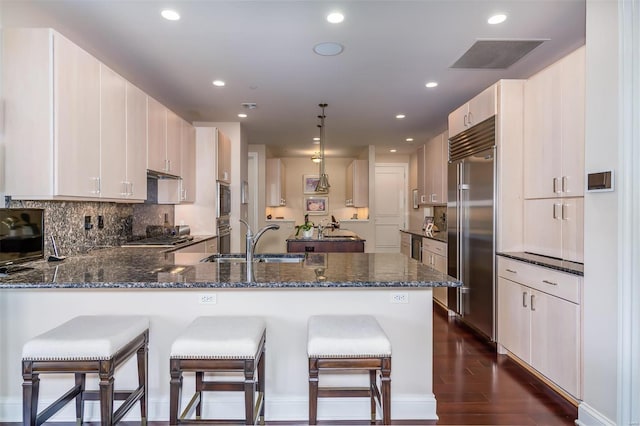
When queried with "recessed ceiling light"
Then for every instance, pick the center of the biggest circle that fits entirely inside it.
(393, 150)
(218, 83)
(431, 84)
(242, 115)
(497, 19)
(170, 15)
(400, 116)
(409, 139)
(329, 48)
(335, 17)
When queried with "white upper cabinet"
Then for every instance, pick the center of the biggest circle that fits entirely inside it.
(157, 136)
(224, 158)
(478, 109)
(136, 181)
(188, 163)
(173, 143)
(554, 129)
(113, 134)
(357, 184)
(276, 187)
(432, 171)
(52, 117)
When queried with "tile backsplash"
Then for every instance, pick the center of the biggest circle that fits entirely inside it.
(65, 221)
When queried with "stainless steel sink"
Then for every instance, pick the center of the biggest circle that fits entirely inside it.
(258, 258)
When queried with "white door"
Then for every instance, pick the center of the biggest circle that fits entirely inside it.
(390, 206)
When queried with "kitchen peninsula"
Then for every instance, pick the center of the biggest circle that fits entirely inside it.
(172, 288)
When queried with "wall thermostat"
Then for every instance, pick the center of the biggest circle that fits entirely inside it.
(600, 182)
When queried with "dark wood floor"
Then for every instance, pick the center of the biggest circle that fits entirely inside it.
(474, 386)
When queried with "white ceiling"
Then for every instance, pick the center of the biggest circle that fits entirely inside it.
(263, 50)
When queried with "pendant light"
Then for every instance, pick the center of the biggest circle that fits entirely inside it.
(323, 183)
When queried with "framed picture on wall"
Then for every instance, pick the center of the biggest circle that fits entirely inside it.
(309, 183)
(316, 205)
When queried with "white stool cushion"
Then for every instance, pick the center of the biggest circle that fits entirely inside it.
(224, 337)
(346, 336)
(85, 337)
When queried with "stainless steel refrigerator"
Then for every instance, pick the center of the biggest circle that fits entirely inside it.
(471, 226)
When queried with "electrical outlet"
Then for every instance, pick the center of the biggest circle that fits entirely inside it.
(100, 221)
(399, 297)
(208, 299)
(87, 223)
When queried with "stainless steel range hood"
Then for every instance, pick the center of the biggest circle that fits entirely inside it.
(163, 188)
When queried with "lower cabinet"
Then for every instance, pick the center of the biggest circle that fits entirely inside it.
(324, 246)
(207, 246)
(434, 254)
(539, 321)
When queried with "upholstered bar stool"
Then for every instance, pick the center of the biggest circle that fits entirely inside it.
(349, 343)
(214, 345)
(87, 344)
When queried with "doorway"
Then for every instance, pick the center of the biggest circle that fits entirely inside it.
(390, 205)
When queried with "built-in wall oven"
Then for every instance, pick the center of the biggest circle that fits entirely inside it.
(222, 220)
(224, 235)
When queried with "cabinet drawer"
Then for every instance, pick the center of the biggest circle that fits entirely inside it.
(433, 246)
(555, 283)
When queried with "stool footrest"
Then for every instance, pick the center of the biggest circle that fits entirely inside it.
(94, 395)
(127, 404)
(57, 405)
(350, 392)
(222, 386)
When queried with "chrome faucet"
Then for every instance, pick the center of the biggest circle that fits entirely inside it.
(252, 239)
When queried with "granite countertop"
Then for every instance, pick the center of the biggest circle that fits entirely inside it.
(329, 236)
(122, 268)
(548, 262)
(437, 236)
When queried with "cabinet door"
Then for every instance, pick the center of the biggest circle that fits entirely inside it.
(360, 196)
(572, 214)
(435, 170)
(188, 162)
(77, 120)
(422, 173)
(514, 318)
(174, 135)
(458, 120)
(224, 158)
(348, 191)
(542, 139)
(572, 86)
(555, 340)
(275, 182)
(136, 143)
(482, 106)
(543, 226)
(157, 136)
(113, 135)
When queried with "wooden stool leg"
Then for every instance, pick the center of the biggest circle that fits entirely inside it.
(261, 384)
(143, 379)
(372, 394)
(249, 391)
(80, 381)
(313, 391)
(175, 392)
(106, 392)
(199, 379)
(386, 390)
(30, 388)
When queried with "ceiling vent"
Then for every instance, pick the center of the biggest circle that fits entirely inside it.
(249, 105)
(496, 54)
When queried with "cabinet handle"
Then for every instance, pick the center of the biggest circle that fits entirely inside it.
(564, 184)
(434, 198)
(549, 282)
(555, 185)
(464, 120)
(524, 299)
(470, 118)
(555, 210)
(124, 191)
(564, 217)
(131, 188)
(533, 296)
(96, 185)
(511, 270)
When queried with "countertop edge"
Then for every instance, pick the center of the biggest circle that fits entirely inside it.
(555, 264)
(436, 236)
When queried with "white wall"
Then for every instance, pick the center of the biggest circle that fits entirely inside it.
(611, 331)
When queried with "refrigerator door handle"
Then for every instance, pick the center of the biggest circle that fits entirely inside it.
(460, 221)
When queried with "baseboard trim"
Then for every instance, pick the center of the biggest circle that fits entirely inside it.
(589, 416)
